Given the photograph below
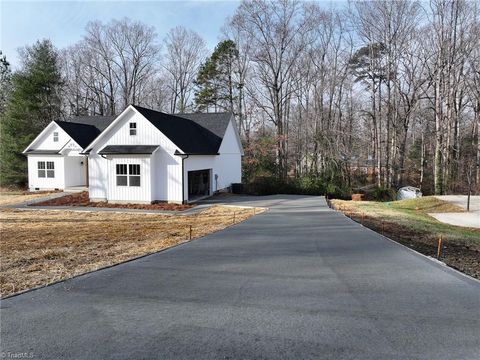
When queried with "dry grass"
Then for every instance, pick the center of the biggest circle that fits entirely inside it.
(10, 197)
(41, 247)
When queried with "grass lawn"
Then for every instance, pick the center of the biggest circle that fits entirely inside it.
(41, 247)
(408, 223)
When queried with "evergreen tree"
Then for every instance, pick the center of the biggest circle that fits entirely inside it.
(5, 81)
(34, 102)
(216, 86)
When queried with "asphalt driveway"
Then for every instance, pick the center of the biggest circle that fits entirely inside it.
(299, 281)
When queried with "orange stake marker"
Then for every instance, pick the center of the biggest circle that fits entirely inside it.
(439, 249)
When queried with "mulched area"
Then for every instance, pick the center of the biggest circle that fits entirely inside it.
(82, 199)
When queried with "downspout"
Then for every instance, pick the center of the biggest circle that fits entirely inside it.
(183, 178)
(87, 175)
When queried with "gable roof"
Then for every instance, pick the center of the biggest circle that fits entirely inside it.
(81, 133)
(215, 122)
(84, 129)
(194, 134)
(100, 122)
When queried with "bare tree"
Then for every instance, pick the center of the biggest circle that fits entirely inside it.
(185, 51)
(279, 32)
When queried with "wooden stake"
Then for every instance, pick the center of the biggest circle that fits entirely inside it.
(253, 211)
(234, 217)
(363, 217)
(439, 248)
(383, 227)
(190, 232)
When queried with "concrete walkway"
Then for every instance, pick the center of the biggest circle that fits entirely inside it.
(465, 219)
(297, 282)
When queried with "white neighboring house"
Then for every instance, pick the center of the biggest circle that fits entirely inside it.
(145, 156)
(54, 159)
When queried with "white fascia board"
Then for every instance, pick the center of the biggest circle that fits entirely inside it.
(117, 120)
(52, 123)
(69, 141)
(111, 126)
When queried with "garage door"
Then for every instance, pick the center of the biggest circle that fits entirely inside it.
(198, 183)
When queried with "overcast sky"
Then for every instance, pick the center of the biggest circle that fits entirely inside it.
(24, 22)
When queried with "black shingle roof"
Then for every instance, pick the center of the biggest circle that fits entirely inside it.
(81, 133)
(100, 122)
(215, 122)
(128, 149)
(84, 129)
(199, 134)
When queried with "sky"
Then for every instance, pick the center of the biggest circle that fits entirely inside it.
(63, 22)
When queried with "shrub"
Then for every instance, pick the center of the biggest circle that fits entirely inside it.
(305, 185)
(381, 194)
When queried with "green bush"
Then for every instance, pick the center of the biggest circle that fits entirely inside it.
(381, 194)
(305, 185)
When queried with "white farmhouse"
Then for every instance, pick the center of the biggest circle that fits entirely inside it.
(54, 159)
(144, 156)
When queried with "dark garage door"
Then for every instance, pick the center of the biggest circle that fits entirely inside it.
(198, 183)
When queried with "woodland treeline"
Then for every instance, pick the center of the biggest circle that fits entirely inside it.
(373, 93)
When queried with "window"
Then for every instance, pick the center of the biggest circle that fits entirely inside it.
(46, 169)
(55, 136)
(41, 169)
(130, 177)
(50, 169)
(134, 174)
(121, 175)
(133, 128)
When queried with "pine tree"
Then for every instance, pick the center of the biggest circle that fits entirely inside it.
(216, 86)
(5, 81)
(34, 102)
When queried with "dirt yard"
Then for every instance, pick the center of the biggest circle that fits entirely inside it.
(41, 247)
(408, 223)
(82, 199)
(10, 197)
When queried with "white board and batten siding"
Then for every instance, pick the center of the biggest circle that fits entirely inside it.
(69, 166)
(226, 165)
(229, 162)
(44, 183)
(160, 172)
(142, 193)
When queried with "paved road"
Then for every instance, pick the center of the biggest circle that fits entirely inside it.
(466, 219)
(297, 282)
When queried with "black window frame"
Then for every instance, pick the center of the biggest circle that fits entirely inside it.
(128, 175)
(121, 174)
(134, 175)
(133, 128)
(50, 169)
(42, 169)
